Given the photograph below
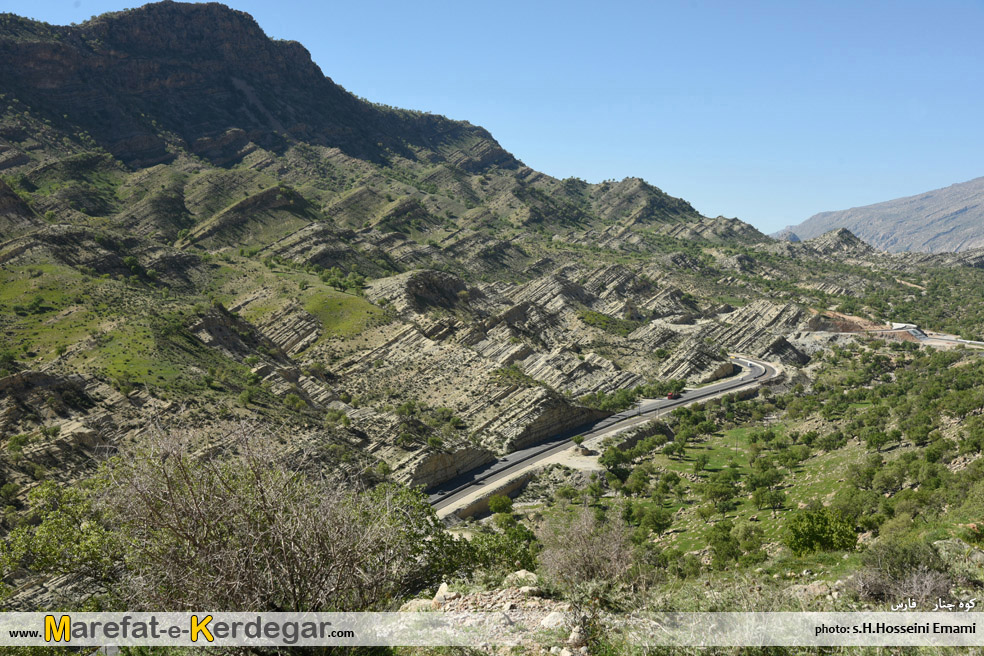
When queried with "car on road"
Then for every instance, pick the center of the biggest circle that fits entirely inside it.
(672, 396)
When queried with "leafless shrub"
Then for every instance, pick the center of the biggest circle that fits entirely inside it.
(922, 585)
(899, 569)
(579, 551)
(241, 532)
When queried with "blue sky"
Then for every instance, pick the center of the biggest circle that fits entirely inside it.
(768, 111)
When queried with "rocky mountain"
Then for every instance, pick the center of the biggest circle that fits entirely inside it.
(198, 226)
(786, 234)
(207, 77)
(841, 241)
(943, 220)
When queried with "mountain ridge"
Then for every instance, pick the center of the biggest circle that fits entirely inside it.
(184, 65)
(218, 224)
(224, 92)
(949, 219)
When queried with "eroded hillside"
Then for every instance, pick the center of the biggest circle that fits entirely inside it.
(199, 228)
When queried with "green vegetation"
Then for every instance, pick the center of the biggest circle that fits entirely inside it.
(819, 529)
(129, 533)
(777, 497)
(500, 503)
(511, 374)
(945, 289)
(343, 315)
(625, 398)
(609, 324)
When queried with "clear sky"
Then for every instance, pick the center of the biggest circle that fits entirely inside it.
(769, 111)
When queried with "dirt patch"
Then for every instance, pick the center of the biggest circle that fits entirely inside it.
(900, 336)
(910, 284)
(847, 323)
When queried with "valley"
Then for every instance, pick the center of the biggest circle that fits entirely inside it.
(485, 481)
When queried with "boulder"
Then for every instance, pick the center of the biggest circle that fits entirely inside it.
(810, 591)
(956, 552)
(520, 578)
(554, 620)
(416, 606)
(441, 596)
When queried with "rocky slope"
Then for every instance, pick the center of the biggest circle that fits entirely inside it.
(942, 220)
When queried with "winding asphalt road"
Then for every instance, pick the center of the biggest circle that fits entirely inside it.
(751, 372)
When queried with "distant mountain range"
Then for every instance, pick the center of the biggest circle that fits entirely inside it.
(944, 220)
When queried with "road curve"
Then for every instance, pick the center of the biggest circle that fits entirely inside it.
(753, 372)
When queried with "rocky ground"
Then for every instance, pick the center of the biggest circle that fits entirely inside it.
(521, 614)
(517, 615)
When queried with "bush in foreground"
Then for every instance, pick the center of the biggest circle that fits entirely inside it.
(165, 530)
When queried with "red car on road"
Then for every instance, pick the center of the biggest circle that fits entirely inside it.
(673, 395)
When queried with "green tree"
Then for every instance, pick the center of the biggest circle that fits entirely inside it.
(705, 512)
(657, 520)
(725, 549)
(876, 439)
(595, 490)
(500, 503)
(9, 491)
(722, 492)
(64, 534)
(775, 500)
(614, 460)
(294, 402)
(818, 529)
(750, 539)
(499, 552)
(637, 482)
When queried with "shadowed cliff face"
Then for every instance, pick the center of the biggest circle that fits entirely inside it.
(208, 78)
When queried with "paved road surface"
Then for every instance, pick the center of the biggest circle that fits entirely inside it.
(930, 338)
(752, 372)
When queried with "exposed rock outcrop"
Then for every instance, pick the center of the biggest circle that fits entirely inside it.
(758, 330)
(428, 468)
(16, 217)
(532, 415)
(839, 242)
(417, 291)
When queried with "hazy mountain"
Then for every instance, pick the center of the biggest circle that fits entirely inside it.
(786, 234)
(943, 220)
